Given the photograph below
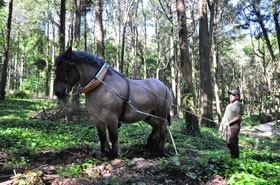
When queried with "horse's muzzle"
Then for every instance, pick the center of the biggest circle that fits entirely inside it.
(60, 94)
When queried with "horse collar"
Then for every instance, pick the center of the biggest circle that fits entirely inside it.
(96, 79)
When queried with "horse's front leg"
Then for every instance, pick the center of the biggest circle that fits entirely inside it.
(114, 138)
(104, 146)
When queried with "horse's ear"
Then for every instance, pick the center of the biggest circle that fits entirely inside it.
(68, 53)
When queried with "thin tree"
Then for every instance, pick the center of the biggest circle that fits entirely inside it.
(127, 10)
(78, 13)
(205, 69)
(6, 54)
(77, 35)
(275, 13)
(99, 29)
(259, 19)
(191, 120)
(62, 26)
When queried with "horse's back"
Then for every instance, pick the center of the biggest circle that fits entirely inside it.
(153, 89)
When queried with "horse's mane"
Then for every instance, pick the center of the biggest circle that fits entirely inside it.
(82, 56)
(86, 57)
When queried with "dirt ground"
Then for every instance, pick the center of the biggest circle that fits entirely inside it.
(136, 167)
(139, 167)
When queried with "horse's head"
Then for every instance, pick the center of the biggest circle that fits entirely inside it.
(66, 74)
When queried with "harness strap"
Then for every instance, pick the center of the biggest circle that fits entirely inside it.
(127, 98)
(96, 79)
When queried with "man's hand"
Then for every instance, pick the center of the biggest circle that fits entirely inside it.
(226, 124)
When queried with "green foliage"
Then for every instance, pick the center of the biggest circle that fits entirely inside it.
(70, 171)
(21, 94)
(35, 83)
(277, 126)
(251, 171)
(250, 120)
(200, 156)
(3, 17)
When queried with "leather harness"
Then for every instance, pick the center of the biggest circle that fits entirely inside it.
(96, 79)
(100, 75)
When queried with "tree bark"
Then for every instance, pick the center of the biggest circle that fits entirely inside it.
(275, 13)
(85, 31)
(62, 26)
(78, 12)
(6, 54)
(216, 78)
(99, 29)
(205, 72)
(185, 63)
(52, 60)
(134, 39)
(127, 9)
(145, 42)
(173, 64)
(215, 49)
(48, 65)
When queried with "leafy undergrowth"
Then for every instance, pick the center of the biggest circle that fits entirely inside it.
(53, 152)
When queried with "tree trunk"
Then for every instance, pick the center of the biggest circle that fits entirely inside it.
(187, 90)
(173, 64)
(145, 42)
(216, 78)
(216, 65)
(6, 54)
(266, 38)
(99, 29)
(62, 26)
(78, 12)
(158, 46)
(48, 66)
(205, 72)
(127, 9)
(52, 61)
(192, 55)
(277, 26)
(265, 34)
(85, 31)
(75, 100)
(134, 39)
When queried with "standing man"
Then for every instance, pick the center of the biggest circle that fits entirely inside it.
(231, 122)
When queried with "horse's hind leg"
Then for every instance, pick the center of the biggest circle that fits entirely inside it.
(156, 140)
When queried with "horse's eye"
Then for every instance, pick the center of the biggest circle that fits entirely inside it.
(67, 81)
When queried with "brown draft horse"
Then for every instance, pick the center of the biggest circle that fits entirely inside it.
(112, 98)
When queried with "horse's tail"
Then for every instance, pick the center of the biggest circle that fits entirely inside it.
(167, 102)
(169, 118)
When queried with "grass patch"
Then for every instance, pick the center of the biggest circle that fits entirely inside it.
(200, 156)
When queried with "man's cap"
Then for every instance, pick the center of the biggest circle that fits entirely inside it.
(234, 92)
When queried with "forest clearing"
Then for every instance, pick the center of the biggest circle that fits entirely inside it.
(36, 151)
